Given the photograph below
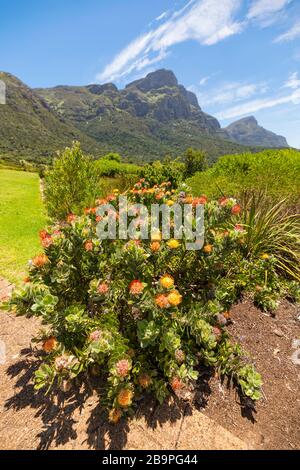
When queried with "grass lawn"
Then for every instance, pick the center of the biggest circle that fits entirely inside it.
(21, 218)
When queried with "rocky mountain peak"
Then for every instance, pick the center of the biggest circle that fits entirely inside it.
(247, 131)
(155, 80)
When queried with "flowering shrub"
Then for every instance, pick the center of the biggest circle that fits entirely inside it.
(144, 314)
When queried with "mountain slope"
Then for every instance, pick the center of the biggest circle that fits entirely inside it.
(151, 117)
(246, 131)
(30, 129)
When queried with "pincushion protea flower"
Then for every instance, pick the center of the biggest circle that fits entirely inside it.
(217, 332)
(114, 415)
(155, 247)
(49, 344)
(161, 301)
(265, 256)
(208, 249)
(125, 397)
(236, 210)
(174, 298)
(95, 335)
(197, 201)
(145, 380)
(173, 244)
(179, 356)
(71, 218)
(103, 288)
(64, 362)
(123, 367)
(89, 245)
(167, 281)
(40, 261)
(136, 287)
(156, 236)
(176, 384)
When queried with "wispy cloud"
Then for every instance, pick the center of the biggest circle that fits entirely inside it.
(229, 93)
(266, 11)
(293, 81)
(290, 35)
(253, 106)
(162, 16)
(205, 21)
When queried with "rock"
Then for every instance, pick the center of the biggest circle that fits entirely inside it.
(279, 333)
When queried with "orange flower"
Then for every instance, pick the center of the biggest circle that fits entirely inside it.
(50, 344)
(89, 245)
(114, 416)
(167, 281)
(90, 210)
(145, 380)
(40, 261)
(136, 287)
(227, 315)
(103, 288)
(188, 200)
(223, 201)
(155, 246)
(197, 201)
(236, 210)
(125, 398)
(162, 301)
(26, 280)
(208, 249)
(71, 218)
(174, 298)
(176, 384)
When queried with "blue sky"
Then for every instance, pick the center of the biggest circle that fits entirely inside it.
(241, 57)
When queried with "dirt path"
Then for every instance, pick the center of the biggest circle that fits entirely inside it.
(29, 420)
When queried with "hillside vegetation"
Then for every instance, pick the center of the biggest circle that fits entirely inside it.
(276, 172)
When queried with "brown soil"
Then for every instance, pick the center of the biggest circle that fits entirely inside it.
(29, 420)
(276, 422)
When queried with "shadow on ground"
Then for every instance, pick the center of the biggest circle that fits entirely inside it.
(77, 417)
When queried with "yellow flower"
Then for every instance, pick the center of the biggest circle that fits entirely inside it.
(156, 237)
(170, 203)
(167, 281)
(174, 298)
(265, 256)
(173, 244)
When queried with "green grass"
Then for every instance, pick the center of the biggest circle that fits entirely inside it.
(21, 218)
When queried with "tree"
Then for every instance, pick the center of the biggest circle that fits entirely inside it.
(194, 160)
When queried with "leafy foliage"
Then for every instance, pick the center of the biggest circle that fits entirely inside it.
(276, 172)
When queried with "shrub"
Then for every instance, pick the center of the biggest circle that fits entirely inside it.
(145, 314)
(194, 160)
(158, 172)
(276, 172)
(71, 184)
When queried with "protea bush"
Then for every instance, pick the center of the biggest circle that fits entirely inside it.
(144, 315)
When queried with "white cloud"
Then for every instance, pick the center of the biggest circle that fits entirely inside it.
(205, 21)
(293, 81)
(264, 10)
(253, 106)
(289, 35)
(204, 80)
(230, 92)
(162, 16)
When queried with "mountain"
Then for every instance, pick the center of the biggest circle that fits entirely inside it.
(150, 118)
(246, 131)
(30, 129)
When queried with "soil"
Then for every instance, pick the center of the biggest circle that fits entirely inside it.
(31, 420)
